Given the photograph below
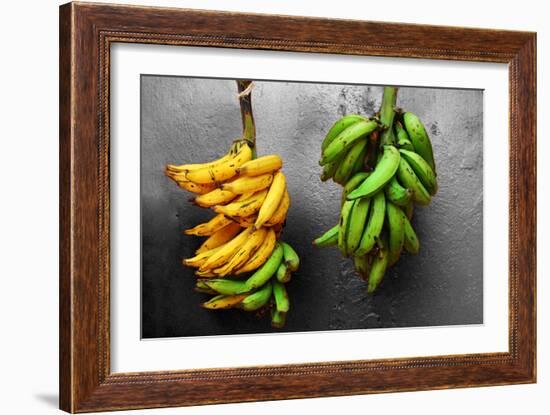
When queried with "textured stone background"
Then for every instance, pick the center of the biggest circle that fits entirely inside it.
(194, 120)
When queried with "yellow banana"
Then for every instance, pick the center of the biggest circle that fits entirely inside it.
(245, 222)
(261, 165)
(205, 274)
(219, 238)
(224, 301)
(198, 260)
(223, 171)
(195, 187)
(280, 214)
(261, 255)
(225, 252)
(209, 228)
(215, 197)
(243, 208)
(184, 168)
(244, 253)
(272, 200)
(248, 184)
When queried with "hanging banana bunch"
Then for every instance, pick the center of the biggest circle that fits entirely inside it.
(242, 262)
(386, 166)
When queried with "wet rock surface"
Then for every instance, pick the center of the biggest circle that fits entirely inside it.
(194, 120)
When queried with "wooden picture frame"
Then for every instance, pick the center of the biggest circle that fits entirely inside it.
(86, 33)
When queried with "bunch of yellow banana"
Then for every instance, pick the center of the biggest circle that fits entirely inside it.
(241, 253)
(382, 182)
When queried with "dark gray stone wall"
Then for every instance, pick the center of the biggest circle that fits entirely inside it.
(194, 120)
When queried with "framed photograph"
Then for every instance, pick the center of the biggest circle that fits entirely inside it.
(258, 207)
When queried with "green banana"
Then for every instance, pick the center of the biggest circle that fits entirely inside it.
(379, 266)
(281, 297)
(290, 257)
(409, 210)
(346, 166)
(402, 137)
(396, 193)
(346, 139)
(329, 169)
(362, 265)
(411, 242)
(422, 170)
(360, 164)
(383, 172)
(226, 286)
(266, 271)
(283, 273)
(353, 182)
(396, 232)
(278, 319)
(340, 126)
(329, 238)
(257, 299)
(344, 225)
(408, 178)
(419, 138)
(358, 219)
(201, 287)
(374, 225)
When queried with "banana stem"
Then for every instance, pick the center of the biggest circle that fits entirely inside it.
(387, 113)
(245, 101)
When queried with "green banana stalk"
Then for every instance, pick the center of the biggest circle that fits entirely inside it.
(409, 179)
(281, 297)
(383, 172)
(411, 242)
(226, 286)
(422, 170)
(344, 226)
(357, 222)
(329, 238)
(283, 274)
(379, 266)
(419, 138)
(267, 270)
(257, 299)
(396, 232)
(397, 194)
(346, 166)
(374, 225)
(402, 137)
(290, 257)
(340, 126)
(343, 141)
(353, 182)
(387, 114)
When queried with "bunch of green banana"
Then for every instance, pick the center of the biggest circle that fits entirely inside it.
(385, 166)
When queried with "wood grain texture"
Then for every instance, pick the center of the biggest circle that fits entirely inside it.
(86, 33)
